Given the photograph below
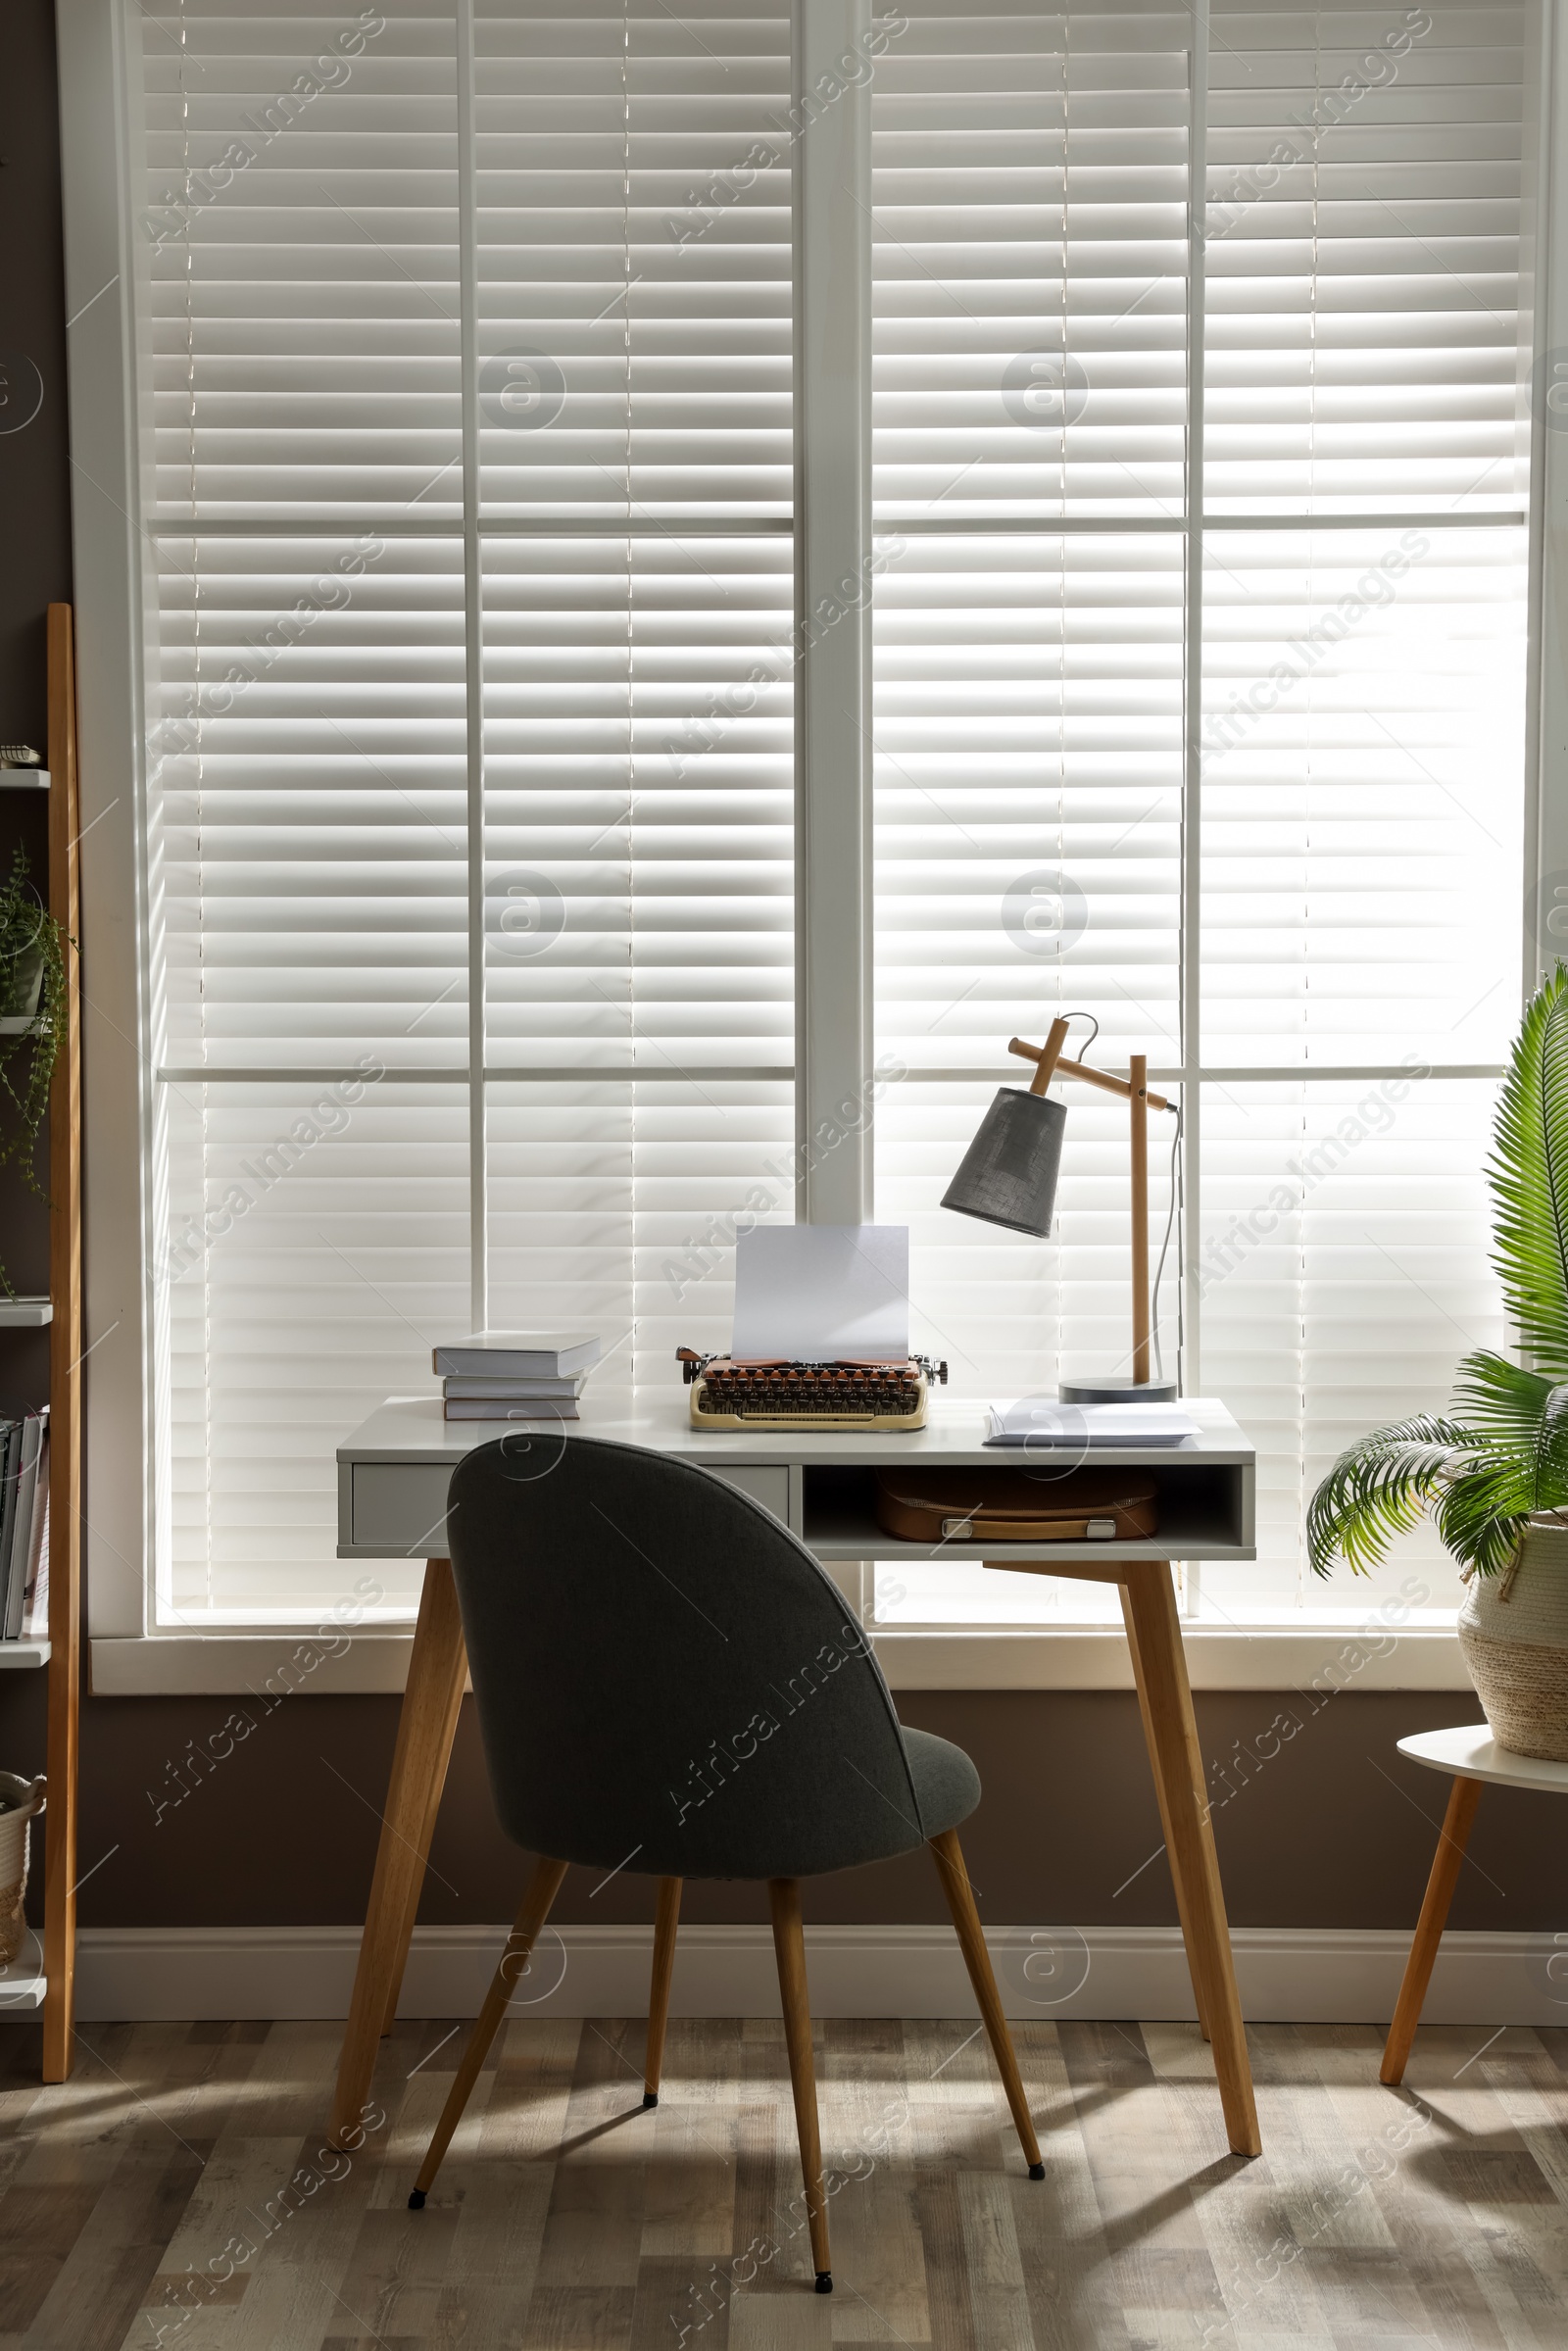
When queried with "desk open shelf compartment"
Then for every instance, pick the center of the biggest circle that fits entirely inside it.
(1204, 1507)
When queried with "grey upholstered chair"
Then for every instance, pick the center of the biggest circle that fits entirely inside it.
(667, 1683)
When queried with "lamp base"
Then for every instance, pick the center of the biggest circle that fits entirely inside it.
(1118, 1392)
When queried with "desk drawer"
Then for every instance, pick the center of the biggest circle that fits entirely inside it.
(768, 1486)
(398, 1510)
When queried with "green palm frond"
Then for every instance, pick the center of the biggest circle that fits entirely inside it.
(1552, 1453)
(1382, 1487)
(1521, 1417)
(1502, 1456)
(1529, 1176)
(1501, 1402)
(1483, 1511)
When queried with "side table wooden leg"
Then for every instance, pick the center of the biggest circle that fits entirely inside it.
(426, 1726)
(1178, 1766)
(1453, 1839)
(1184, 1905)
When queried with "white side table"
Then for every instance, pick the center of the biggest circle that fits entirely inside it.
(1471, 1756)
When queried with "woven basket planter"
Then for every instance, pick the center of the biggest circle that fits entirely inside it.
(1514, 1630)
(21, 1803)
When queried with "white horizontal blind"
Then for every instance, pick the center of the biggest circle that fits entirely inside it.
(309, 774)
(1363, 755)
(1028, 860)
(1031, 288)
(1362, 866)
(1030, 256)
(360, 620)
(627, 619)
(1363, 257)
(1343, 1272)
(1350, 803)
(634, 260)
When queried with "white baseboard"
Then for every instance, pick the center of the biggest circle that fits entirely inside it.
(1321, 1649)
(1290, 1975)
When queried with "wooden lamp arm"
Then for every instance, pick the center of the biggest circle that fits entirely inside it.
(1046, 1057)
(1051, 1064)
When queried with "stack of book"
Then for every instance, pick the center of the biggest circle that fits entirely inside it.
(24, 1527)
(515, 1375)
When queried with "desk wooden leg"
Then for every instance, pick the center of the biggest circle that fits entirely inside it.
(1150, 1599)
(1453, 1839)
(426, 1726)
(1184, 1900)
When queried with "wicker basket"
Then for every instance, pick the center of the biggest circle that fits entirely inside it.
(23, 1801)
(1514, 1630)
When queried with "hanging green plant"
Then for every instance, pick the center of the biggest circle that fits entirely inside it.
(32, 1011)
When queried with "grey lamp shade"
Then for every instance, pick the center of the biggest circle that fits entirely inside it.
(1008, 1176)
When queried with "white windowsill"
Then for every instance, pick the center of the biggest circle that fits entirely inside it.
(1348, 1653)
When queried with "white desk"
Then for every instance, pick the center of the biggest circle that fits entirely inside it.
(393, 1475)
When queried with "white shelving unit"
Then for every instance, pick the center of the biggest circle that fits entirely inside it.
(18, 1655)
(44, 1976)
(22, 1984)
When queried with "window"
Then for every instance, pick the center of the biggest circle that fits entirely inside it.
(472, 775)
(1207, 719)
(502, 378)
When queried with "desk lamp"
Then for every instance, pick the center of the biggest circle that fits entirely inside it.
(1008, 1176)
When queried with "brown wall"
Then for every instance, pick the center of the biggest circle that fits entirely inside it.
(1332, 1829)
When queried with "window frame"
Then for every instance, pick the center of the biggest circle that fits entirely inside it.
(834, 542)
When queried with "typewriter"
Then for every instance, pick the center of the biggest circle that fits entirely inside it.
(727, 1395)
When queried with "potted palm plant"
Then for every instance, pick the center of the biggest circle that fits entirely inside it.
(21, 1803)
(1492, 1474)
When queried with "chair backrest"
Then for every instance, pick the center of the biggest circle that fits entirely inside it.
(665, 1678)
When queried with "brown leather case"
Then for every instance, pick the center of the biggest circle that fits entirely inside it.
(1011, 1505)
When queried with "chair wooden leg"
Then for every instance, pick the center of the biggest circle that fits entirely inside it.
(789, 1948)
(532, 1913)
(669, 1919)
(955, 1877)
(1178, 1767)
(1453, 1839)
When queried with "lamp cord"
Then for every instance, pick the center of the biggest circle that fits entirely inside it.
(1170, 1213)
(1170, 1226)
(1091, 1017)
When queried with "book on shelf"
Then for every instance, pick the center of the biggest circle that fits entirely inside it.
(526, 1354)
(23, 1515)
(10, 1486)
(497, 1407)
(517, 1387)
(35, 1597)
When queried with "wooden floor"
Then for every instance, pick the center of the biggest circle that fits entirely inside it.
(178, 2192)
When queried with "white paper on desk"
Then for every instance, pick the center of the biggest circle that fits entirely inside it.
(822, 1293)
(1035, 1421)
